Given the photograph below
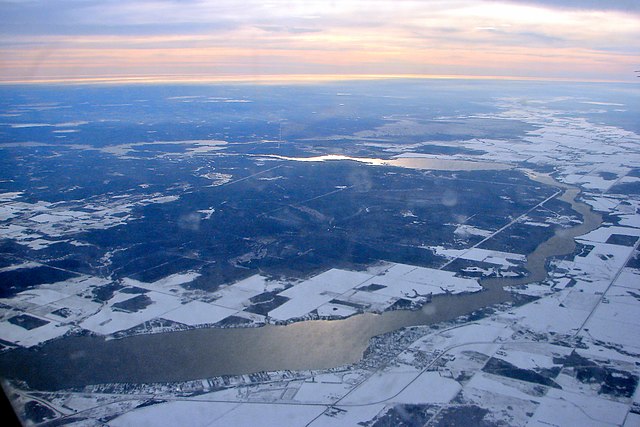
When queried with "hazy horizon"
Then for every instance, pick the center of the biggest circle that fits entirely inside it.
(192, 40)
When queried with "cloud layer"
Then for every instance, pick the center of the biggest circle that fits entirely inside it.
(584, 39)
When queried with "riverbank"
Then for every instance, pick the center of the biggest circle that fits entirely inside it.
(201, 353)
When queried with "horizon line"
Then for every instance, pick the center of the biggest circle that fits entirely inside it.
(279, 79)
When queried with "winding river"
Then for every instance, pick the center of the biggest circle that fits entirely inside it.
(202, 353)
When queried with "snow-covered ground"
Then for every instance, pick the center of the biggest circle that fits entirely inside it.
(376, 292)
(569, 357)
(589, 306)
(332, 294)
(41, 224)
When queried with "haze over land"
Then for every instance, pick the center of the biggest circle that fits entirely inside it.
(328, 252)
(313, 213)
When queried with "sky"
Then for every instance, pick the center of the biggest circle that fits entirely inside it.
(160, 40)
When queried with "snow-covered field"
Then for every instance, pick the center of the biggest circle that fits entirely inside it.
(571, 356)
(515, 367)
(41, 224)
(167, 299)
(395, 282)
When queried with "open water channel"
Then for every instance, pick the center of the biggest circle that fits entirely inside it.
(201, 353)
